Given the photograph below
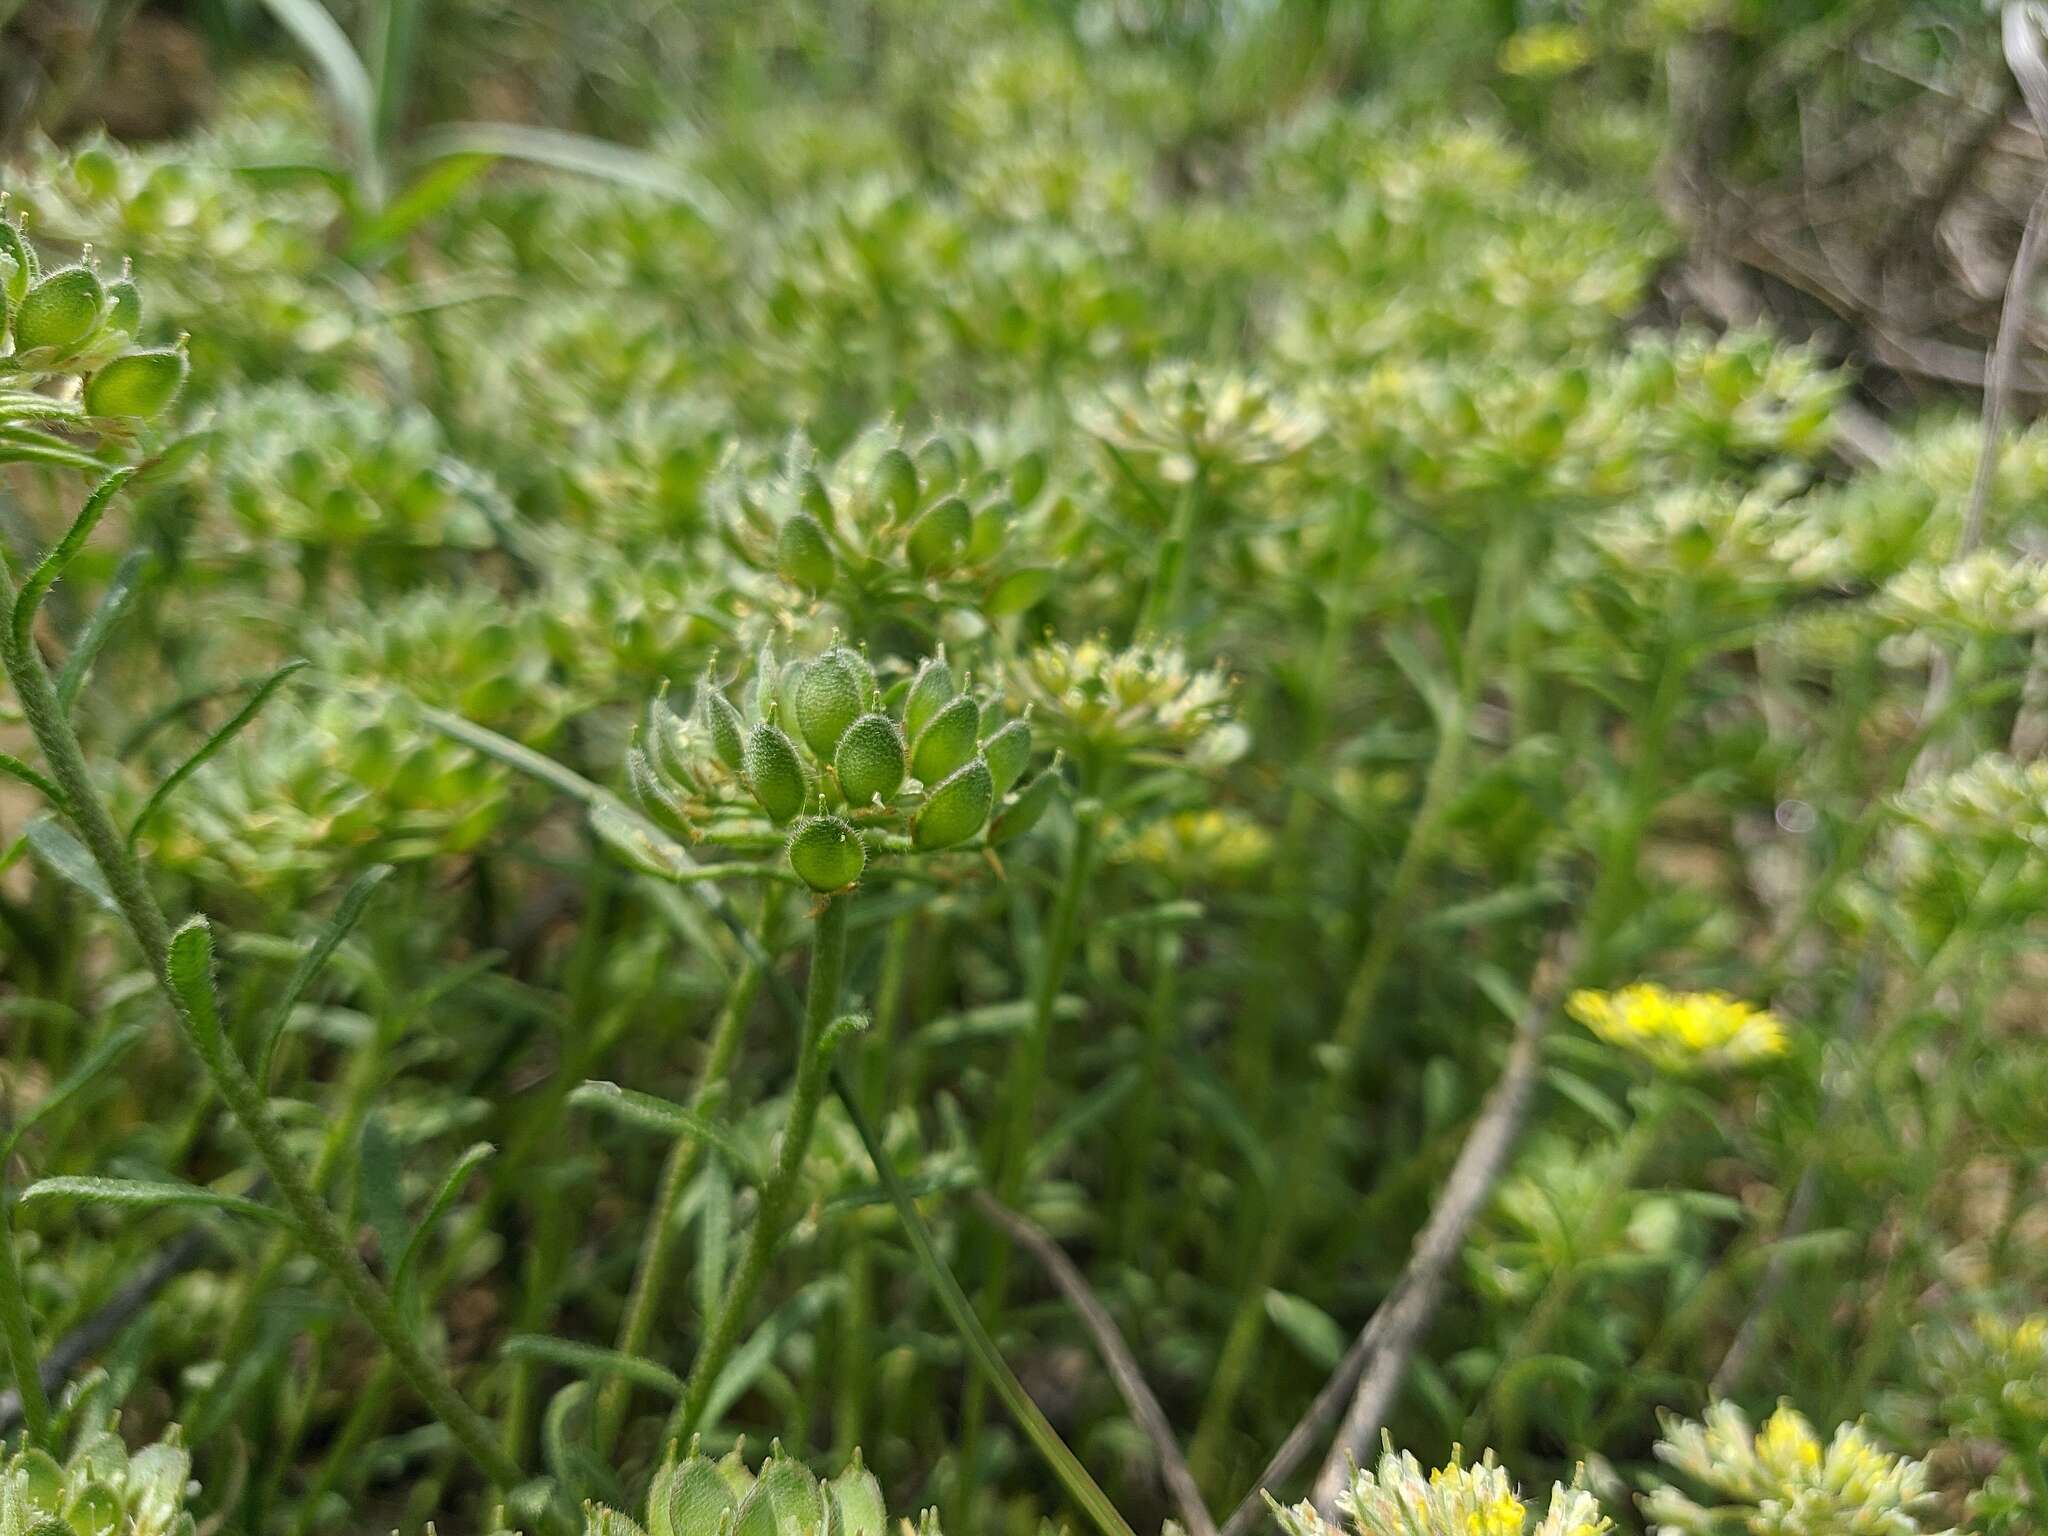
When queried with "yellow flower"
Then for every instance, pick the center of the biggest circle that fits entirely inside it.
(1681, 1032)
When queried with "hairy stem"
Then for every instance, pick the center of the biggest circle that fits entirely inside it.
(316, 1225)
(651, 1273)
(828, 962)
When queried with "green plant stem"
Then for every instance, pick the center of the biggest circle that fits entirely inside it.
(1274, 1247)
(20, 1335)
(1024, 1078)
(317, 1226)
(1630, 1153)
(651, 1273)
(1162, 1013)
(828, 963)
(1169, 576)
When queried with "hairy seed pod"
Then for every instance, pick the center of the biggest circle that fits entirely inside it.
(947, 740)
(857, 1504)
(870, 761)
(726, 729)
(863, 674)
(774, 772)
(18, 266)
(137, 384)
(992, 521)
(826, 853)
(1027, 478)
(956, 810)
(817, 501)
(794, 1499)
(929, 693)
(894, 487)
(60, 312)
(938, 538)
(124, 306)
(828, 698)
(803, 555)
(1007, 752)
(689, 1498)
(1026, 809)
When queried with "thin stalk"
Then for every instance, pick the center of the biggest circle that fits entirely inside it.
(1162, 1013)
(20, 1335)
(1169, 575)
(828, 963)
(650, 1276)
(1273, 1247)
(318, 1227)
(1024, 1077)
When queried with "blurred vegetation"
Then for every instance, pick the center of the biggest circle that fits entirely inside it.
(1483, 515)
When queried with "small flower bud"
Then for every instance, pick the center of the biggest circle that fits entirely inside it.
(60, 312)
(956, 810)
(774, 772)
(803, 555)
(1007, 752)
(929, 692)
(870, 761)
(826, 853)
(137, 384)
(947, 741)
(939, 538)
(828, 698)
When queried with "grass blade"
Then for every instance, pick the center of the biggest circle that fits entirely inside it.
(339, 63)
(119, 594)
(213, 744)
(344, 921)
(97, 1060)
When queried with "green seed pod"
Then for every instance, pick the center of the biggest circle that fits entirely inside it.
(947, 741)
(939, 464)
(817, 501)
(894, 487)
(857, 1502)
(956, 810)
(60, 312)
(992, 521)
(1027, 478)
(793, 1496)
(929, 692)
(870, 761)
(826, 853)
(722, 722)
(1026, 809)
(828, 698)
(803, 555)
(939, 538)
(18, 265)
(137, 384)
(774, 772)
(124, 306)
(688, 1499)
(1007, 752)
(863, 674)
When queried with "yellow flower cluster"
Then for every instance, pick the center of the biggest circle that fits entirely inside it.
(1398, 1499)
(1681, 1032)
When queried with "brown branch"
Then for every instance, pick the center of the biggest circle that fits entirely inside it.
(1123, 1366)
(1371, 1372)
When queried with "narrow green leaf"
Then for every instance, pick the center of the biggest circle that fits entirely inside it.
(380, 1194)
(338, 62)
(1306, 1326)
(14, 767)
(191, 968)
(591, 1360)
(97, 1060)
(144, 1194)
(465, 1165)
(214, 743)
(346, 916)
(580, 155)
(646, 1112)
(52, 843)
(113, 603)
(19, 445)
(51, 566)
(747, 1362)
